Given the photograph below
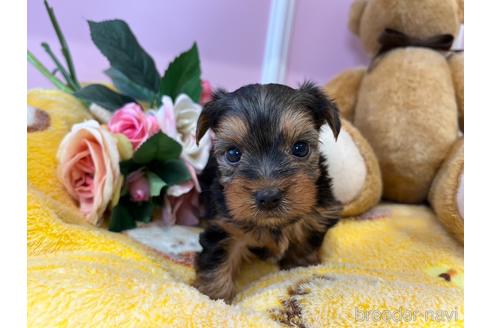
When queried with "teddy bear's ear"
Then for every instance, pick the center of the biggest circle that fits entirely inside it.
(356, 12)
(461, 10)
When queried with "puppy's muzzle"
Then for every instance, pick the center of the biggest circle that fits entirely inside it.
(268, 199)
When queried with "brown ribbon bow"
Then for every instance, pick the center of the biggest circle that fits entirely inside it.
(391, 39)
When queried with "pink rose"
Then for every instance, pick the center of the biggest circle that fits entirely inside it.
(132, 121)
(138, 186)
(89, 168)
(207, 91)
(181, 205)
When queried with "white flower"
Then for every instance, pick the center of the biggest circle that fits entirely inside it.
(178, 120)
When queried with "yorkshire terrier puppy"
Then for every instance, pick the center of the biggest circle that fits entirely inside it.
(266, 188)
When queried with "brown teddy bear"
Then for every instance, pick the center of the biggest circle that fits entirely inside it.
(409, 102)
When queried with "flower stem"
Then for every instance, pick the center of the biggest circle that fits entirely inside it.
(60, 67)
(43, 70)
(63, 43)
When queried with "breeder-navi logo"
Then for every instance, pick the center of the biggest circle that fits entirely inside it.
(404, 315)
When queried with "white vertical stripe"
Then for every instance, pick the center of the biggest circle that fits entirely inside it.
(277, 43)
(458, 42)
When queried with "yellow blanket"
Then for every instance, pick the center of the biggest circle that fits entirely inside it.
(395, 265)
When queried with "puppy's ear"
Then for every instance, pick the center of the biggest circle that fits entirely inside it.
(210, 114)
(323, 108)
(356, 11)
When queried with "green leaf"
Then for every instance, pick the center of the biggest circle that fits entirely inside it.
(159, 148)
(183, 76)
(128, 87)
(128, 166)
(103, 96)
(63, 43)
(172, 172)
(156, 184)
(141, 211)
(124, 190)
(157, 201)
(59, 67)
(46, 73)
(121, 219)
(120, 46)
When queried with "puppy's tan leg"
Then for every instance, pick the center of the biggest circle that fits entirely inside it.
(217, 264)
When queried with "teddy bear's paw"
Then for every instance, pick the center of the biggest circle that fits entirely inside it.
(348, 181)
(353, 168)
(447, 192)
(37, 120)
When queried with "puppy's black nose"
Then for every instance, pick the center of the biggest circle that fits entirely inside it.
(268, 199)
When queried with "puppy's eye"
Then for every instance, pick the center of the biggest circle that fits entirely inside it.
(233, 155)
(300, 149)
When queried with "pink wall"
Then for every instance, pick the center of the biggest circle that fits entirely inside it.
(321, 43)
(230, 35)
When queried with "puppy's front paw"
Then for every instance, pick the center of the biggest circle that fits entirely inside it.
(291, 261)
(215, 288)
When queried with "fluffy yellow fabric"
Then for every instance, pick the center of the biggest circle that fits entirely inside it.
(395, 258)
(63, 110)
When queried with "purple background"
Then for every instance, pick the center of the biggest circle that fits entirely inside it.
(230, 35)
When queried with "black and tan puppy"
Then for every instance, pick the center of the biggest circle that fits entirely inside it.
(267, 192)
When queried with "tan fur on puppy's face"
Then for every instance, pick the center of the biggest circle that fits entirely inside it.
(269, 165)
(296, 125)
(232, 130)
(299, 199)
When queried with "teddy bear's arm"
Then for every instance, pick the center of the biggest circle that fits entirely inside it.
(344, 89)
(456, 65)
(446, 194)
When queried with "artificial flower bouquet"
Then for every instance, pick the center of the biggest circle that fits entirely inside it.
(138, 159)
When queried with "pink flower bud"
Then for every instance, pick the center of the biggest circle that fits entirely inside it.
(138, 186)
(207, 91)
